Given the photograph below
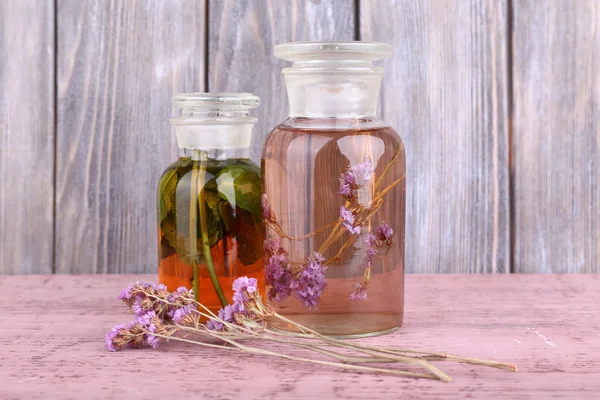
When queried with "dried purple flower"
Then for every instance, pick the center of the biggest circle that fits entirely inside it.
(152, 324)
(347, 218)
(277, 271)
(363, 172)
(134, 335)
(310, 282)
(146, 319)
(245, 292)
(113, 341)
(384, 233)
(214, 325)
(182, 314)
(371, 248)
(354, 177)
(142, 297)
(360, 291)
(225, 314)
(266, 207)
(347, 184)
(152, 340)
(138, 307)
(243, 285)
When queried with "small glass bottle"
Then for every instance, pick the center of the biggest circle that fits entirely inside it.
(210, 227)
(334, 195)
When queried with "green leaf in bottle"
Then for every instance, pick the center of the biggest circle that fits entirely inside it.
(166, 192)
(240, 185)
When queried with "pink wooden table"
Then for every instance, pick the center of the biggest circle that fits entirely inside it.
(52, 345)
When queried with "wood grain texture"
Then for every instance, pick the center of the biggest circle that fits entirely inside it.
(119, 63)
(242, 34)
(556, 74)
(547, 324)
(26, 136)
(445, 92)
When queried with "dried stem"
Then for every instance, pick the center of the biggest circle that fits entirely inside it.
(277, 228)
(385, 170)
(193, 223)
(318, 343)
(337, 256)
(203, 157)
(387, 189)
(255, 350)
(371, 351)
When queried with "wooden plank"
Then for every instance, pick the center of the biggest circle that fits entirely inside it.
(547, 324)
(445, 91)
(119, 63)
(241, 59)
(556, 74)
(26, 136)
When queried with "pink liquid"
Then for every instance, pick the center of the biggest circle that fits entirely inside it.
(301, 170)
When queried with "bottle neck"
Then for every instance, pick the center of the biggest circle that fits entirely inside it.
(216, 154)
(333, 89)
(220, 134)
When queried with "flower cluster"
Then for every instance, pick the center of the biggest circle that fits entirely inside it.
(370, 248)
(155, 308)
(384, 234)
(266, 207)
(277, 272)
(130, 336)
(348, 219)
(360, 291)
(380, 237)
(307, 284)
(149, 329)
(355, 176)
(246, 304)
(310, 282)
(307, 281)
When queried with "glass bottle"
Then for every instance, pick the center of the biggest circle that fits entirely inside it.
(210, 227)
(334, 195)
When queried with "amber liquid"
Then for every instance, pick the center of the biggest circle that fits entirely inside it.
(302, 162)
(238, 252)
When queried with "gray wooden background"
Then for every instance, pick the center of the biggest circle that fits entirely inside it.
(498, 103)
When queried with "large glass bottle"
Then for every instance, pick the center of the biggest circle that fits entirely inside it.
(209, 213)
(334, 195)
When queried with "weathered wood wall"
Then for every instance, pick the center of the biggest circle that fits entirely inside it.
(498, 104)
(27, 136)
(556, 146)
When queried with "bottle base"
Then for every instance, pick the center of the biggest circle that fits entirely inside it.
(341, 326)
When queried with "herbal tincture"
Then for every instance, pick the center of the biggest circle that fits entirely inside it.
(210, 229)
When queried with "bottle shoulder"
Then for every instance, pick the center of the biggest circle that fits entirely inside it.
(334, 127)
(316, 139)
(333, 124)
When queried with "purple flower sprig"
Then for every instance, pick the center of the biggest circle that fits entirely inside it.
(310, 282)
(247, 306)
(307, 283)
(381, 236)
(142, 297)
(156, 311)
(277, 270)
(266, 208)
(360, 288)
(360, 291)
(143, 331)
(348, 218)
(384, 234)
(355, 177)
